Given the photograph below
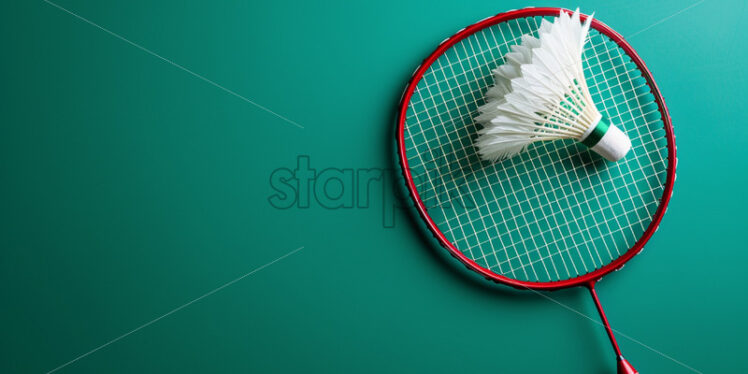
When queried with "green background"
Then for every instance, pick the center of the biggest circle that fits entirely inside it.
(130, 188)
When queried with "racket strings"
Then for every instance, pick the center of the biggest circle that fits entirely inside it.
(551, 213)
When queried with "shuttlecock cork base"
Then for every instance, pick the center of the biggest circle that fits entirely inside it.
(607, 140)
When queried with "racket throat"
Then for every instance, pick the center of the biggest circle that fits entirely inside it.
(624, 367)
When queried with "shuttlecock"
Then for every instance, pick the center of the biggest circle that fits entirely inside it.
(540, 94)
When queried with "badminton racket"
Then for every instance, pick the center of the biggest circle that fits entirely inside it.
(556, 215)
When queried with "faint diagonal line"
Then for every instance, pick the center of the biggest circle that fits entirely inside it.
(664, 19)
(618, 333)
(154, 54)
(173, 311)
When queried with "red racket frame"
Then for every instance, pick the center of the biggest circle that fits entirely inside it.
(588, 280)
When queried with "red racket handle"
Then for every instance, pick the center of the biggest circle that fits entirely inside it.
(623, 366)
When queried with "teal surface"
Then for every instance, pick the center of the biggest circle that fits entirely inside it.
(131, 188)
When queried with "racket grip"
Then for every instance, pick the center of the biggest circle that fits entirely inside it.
(624, 367)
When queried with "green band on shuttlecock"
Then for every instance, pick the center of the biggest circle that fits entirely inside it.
(597, 133)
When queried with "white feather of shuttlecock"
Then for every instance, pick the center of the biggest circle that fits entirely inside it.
(540, 94)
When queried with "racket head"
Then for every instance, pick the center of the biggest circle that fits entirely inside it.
(460, 246)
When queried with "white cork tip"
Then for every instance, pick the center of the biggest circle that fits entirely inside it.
(613, 145)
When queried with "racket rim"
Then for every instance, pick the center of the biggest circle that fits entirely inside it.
(587, 279)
